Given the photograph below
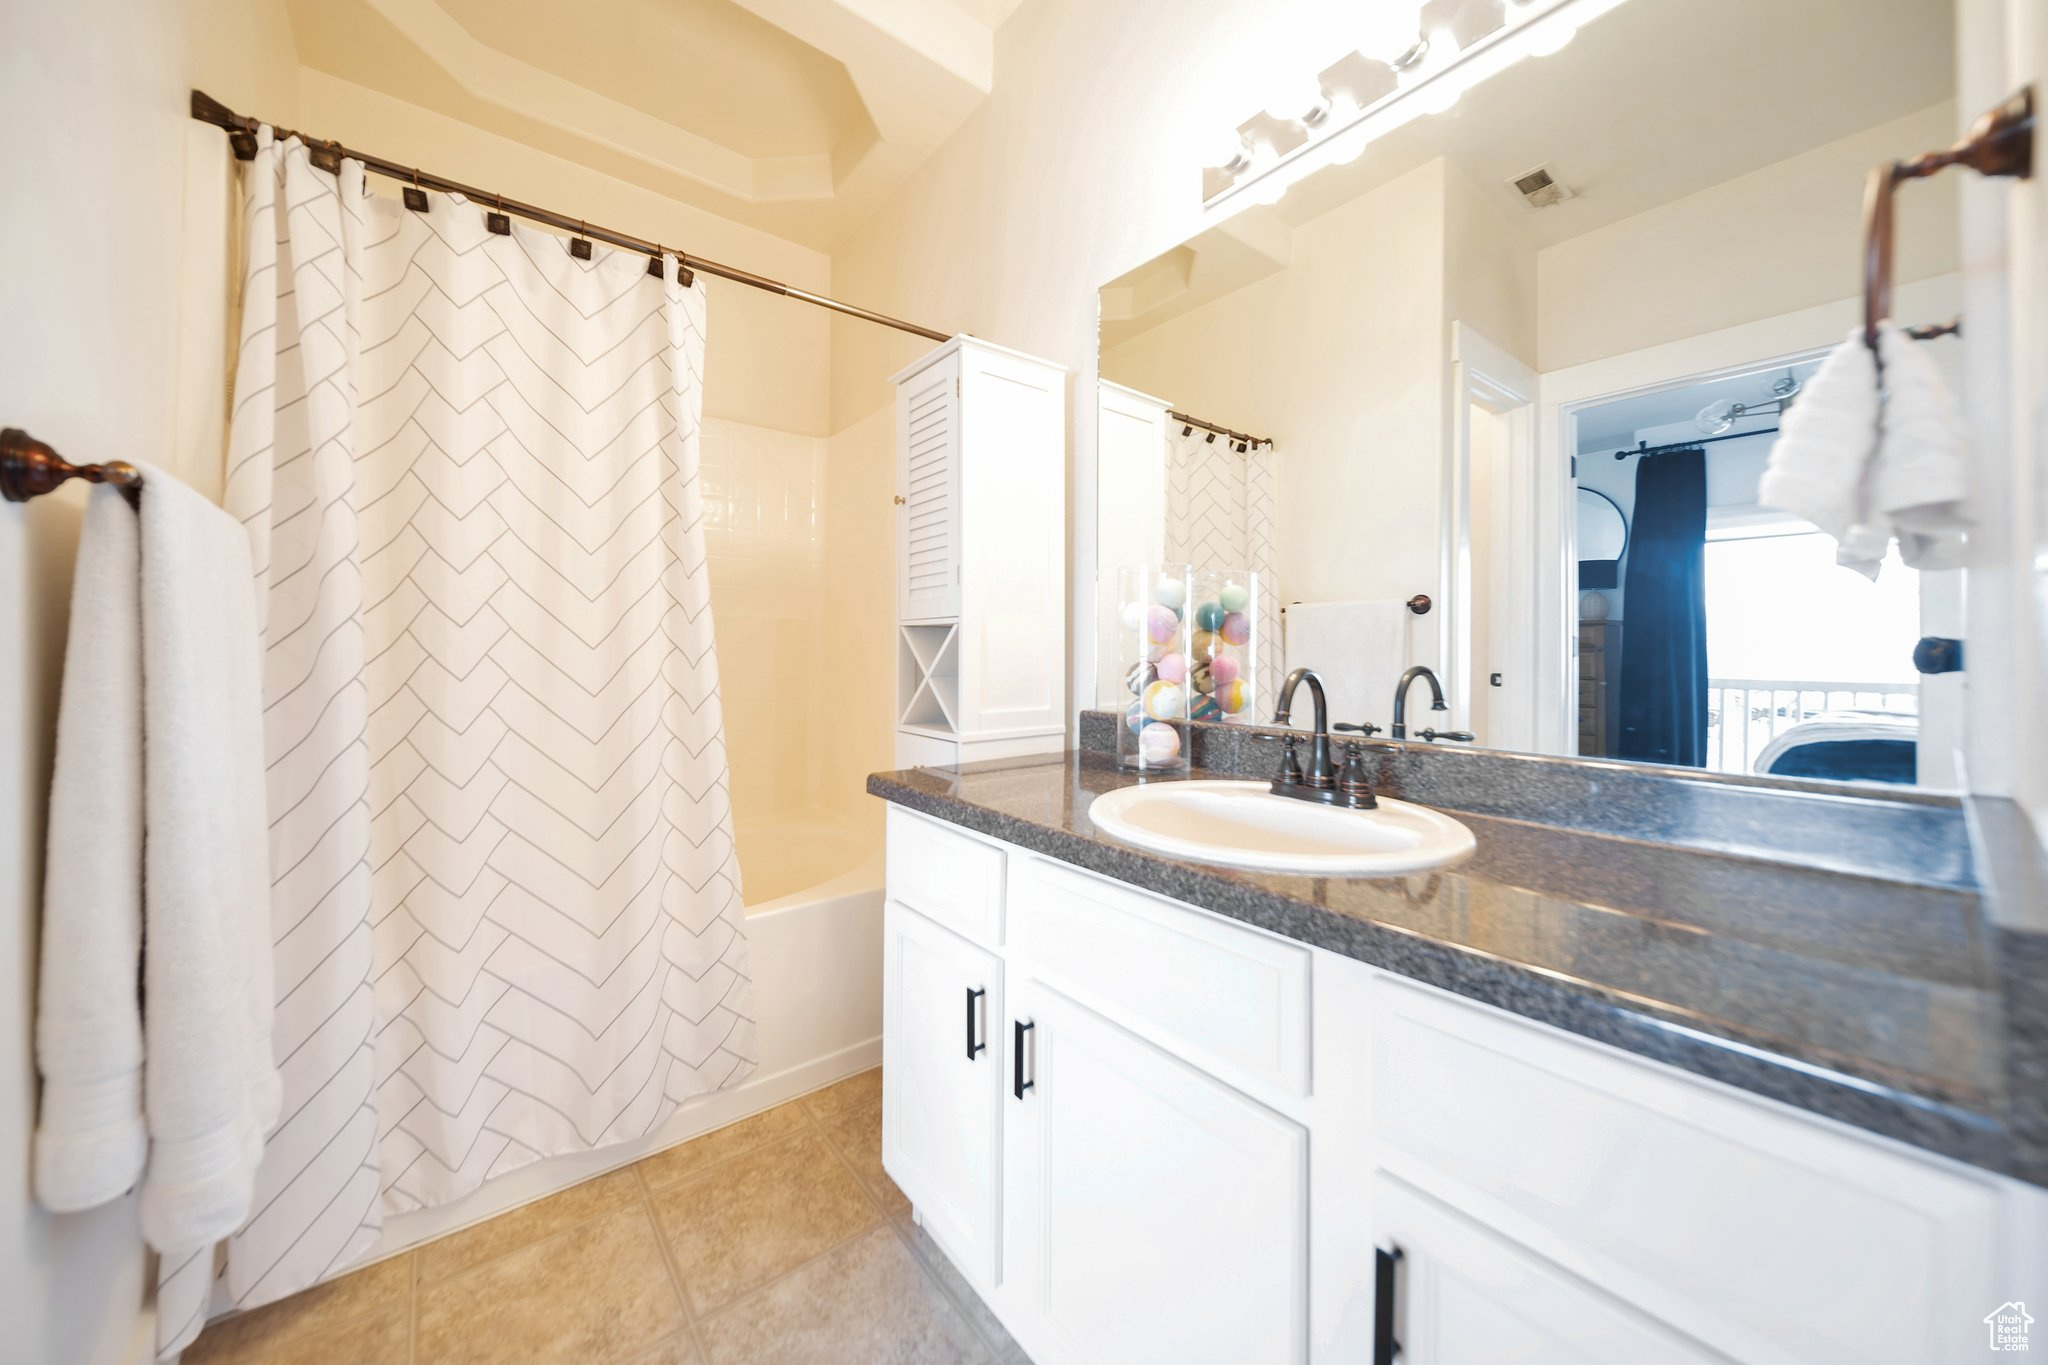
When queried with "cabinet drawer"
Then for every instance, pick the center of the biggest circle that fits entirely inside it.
(1766, 1235)
(1233, 1001)
(954, 878)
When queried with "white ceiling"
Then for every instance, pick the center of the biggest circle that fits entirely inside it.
(1655, 100)
(795, 116)
(1613, 426)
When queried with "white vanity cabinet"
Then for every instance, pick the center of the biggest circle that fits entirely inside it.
(940, 1110)
(1153, 1215)
(1186, 1140)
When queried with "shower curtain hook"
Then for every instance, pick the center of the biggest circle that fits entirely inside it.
(654, 262)
(497, 222)
(415, 197)
(579, 245)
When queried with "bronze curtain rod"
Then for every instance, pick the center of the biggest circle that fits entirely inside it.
(241, 131)
(1243, 436)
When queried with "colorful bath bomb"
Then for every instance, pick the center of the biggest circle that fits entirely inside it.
(1231, 696)
(1141, 676)
(1203, 679)
(1160, 624)
(1202, 644)
(1237, 628)
(1225, 668)
(1172, 668)
(1135, 717)
(1171, 594)
(1209, 615)
(1235, 596)
(1157, 743)
(1134, 615)
(1152, 653)
(1163, 701)
(1204, 708)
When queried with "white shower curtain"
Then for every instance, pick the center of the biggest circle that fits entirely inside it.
(506, 900)
(1219, 515)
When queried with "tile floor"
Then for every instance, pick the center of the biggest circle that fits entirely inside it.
(775, 1241)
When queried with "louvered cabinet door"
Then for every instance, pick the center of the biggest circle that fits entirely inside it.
(928, 481)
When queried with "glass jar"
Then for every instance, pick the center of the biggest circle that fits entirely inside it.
(1152, 636)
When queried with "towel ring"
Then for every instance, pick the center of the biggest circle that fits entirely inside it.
(1999, 143)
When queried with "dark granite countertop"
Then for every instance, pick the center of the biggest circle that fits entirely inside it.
(1884, 1002)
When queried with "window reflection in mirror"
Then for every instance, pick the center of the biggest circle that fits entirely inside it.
(1552, 419)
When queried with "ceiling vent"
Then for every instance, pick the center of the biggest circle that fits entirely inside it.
(1542, 187)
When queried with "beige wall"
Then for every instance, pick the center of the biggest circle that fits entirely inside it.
(112, 346)
(765, 359)
(1777, 240)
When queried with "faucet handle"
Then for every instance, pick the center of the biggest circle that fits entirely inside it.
(1368, 728)
(1461, 736)
(1354, 788)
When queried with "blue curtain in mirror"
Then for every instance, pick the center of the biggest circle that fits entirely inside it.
(1663, 703)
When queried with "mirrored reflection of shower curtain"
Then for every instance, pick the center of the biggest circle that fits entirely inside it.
(1663, 703)
(506, 901)
(1220, 514)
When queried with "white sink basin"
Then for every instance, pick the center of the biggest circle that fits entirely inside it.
(1242, 824)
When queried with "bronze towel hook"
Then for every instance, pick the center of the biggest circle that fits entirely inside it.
(1999, 143)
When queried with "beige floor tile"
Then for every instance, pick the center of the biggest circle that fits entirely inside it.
(720, 1144)
(857, 1133)
(740, 1224)
(978, 1314)
(866, 1088)
(366, 1316)
(680, 1349)
(515, 1228)
(597, 1292)
(865, 1302)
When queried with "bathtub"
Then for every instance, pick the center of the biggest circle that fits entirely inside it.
(813, 888)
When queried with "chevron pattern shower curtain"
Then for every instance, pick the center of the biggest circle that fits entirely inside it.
(506, 901)
(1220, 514)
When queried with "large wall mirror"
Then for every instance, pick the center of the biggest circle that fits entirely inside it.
(1526, 356)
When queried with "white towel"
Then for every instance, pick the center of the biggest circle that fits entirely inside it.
(1825, 442)
(1920, 478)
(1864, 464)
(90, 1141)
(209, 1086)
(1358, 649)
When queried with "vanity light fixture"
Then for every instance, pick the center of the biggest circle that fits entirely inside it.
(1396, 72)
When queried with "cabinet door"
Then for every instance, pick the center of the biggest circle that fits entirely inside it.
(928, 482)
(1463, 1295)
(1153, 1214)
(941, 1083)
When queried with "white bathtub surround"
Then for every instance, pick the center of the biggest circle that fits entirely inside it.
(156, 842)
(507, 902)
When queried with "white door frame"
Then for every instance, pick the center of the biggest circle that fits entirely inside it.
(1775, 341)
(1483, 374)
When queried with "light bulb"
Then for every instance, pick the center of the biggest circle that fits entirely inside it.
(1227, 150)
(1390, 31)
(1293, 99)
(1437, 97)
(1550, 37)
(1270, 192)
